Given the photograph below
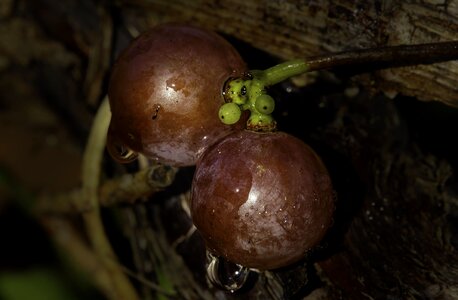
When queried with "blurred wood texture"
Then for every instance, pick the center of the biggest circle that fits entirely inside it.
(291, 29)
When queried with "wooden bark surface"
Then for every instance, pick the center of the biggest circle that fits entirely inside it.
(291, 29)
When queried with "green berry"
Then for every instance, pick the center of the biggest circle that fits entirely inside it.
(229, 113)
(265, 104)
(237, 91)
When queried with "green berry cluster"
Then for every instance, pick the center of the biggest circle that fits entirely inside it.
(250, 94)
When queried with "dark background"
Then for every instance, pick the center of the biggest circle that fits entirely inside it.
(393, 163)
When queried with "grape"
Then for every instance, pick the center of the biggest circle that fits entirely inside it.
(230, 113)
(261, 200)
(265, 104)
(165, 92)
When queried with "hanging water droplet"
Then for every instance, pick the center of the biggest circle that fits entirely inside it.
(119, 152)
(225, 274)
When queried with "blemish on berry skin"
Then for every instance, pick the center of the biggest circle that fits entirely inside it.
(157, 107)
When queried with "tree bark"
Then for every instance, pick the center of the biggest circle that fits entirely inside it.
(291, 29)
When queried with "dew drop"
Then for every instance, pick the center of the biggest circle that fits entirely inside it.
(119, 152)
(226, 275)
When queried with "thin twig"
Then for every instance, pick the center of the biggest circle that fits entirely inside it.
(127, 188)
(68, 238)
(386, 57)
(94, 227)
(131, 187)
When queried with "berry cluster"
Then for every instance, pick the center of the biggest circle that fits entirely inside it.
(260, 198)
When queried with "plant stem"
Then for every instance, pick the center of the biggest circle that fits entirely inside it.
(387, 57)
(245, 92)
(281, 72)
(373, 58)
(92, 160)
(66, 236)
(127, 188)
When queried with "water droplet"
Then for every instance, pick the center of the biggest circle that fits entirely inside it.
(119, 152)
(225, 274)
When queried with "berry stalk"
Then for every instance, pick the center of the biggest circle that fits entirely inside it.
(250, 93)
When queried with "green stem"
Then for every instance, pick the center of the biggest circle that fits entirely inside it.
(281, 72)
(250, 94)
(246, 92)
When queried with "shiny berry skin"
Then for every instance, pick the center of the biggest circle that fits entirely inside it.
(262, 200)
(165, 92)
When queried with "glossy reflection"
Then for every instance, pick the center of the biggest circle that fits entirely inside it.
(226, 275)
(261, 200)
(165, 92)
(119, 152)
